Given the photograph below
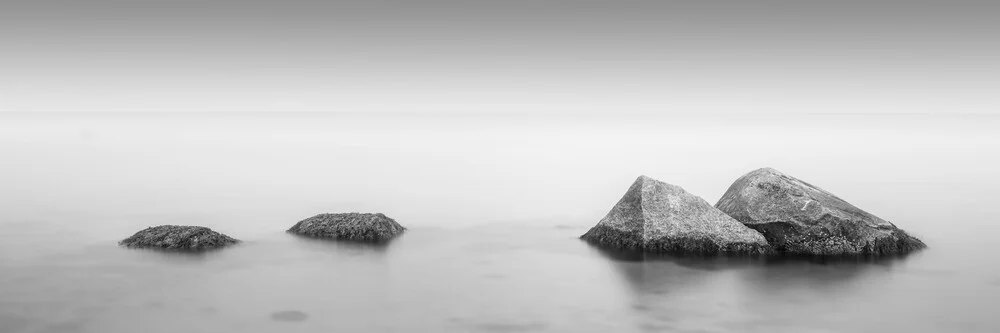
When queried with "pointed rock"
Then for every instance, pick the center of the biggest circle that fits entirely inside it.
(178, 237)
(654, 216)
(797, 217)
(349, 226)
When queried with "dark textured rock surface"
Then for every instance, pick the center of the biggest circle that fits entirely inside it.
(178, 237)
(799, 218)
(654, 216)
(349, 226)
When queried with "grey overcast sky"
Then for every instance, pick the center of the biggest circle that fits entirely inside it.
(501, 56)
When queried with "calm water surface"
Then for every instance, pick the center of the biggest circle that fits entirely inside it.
(494, 208)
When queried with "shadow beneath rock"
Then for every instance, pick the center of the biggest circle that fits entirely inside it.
(784, 272)
(179, 255)
(714, 262)
(857, 259)
(665, 289)
(655, 271)
(700, 262)
(178, 251)
(344, 245)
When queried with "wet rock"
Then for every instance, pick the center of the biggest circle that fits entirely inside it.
(178, 237)
(799, 218)
(654, 216)
(349, 226)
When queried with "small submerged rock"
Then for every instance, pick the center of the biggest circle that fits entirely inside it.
(799, 218)
(654, 216)
(292, 315)
(178, 237)
(349, 226)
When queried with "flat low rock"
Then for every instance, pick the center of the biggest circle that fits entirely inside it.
(178, 237)
(799, 218)
(349, 226)
(654, 216)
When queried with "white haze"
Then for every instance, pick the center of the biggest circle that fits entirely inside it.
(453, 170)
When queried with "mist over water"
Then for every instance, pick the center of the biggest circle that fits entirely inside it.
(494, 206)
(497, 132)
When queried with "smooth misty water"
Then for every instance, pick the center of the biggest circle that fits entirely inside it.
(494, 206)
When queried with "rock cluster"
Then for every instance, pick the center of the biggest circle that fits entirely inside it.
(763, 212)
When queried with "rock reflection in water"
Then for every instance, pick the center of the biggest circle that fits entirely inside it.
(694, 293)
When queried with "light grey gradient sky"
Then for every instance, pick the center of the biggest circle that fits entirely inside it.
(509, 56)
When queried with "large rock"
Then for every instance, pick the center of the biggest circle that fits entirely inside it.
(654, 216)
(797, 217)
(349, 226)
(178, 237)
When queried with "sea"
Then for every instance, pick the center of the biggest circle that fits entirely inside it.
(494, 206)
